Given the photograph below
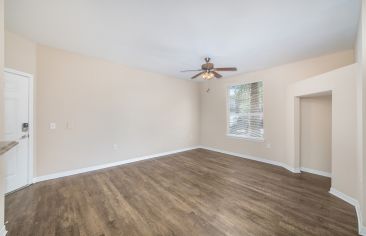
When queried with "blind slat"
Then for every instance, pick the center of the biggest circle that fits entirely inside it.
(246, 110)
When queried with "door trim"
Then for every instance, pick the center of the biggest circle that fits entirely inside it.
(31, 123)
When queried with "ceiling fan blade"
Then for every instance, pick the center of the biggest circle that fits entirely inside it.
(197, 75)
(190, 70)
(226, 69)
(217, 75)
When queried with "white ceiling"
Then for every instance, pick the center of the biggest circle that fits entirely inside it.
(167, 36)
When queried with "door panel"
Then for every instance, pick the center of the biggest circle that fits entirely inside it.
(16, 92)
(11, 124)
(10, 167)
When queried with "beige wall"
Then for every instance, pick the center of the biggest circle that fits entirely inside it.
(363, 68)
(360, 55)
(20, 53)
(342, 83)
(103, 101)
(360, 115)
(276, 81)
(361, 49)
(1, 112)
(316, 133)
(96, 104)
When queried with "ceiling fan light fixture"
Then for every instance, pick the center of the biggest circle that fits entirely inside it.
(208, 75)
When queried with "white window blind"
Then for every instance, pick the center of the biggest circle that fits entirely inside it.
(246, 110)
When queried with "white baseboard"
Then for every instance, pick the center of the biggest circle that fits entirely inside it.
(107, 165)
(355, 203)
(344, 197)
(259, 159)
(316, 172)
(333, 191)
(3, 231)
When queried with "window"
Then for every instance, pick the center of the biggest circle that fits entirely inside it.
(245, 118)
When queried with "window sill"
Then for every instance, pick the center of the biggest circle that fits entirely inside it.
(260, 140)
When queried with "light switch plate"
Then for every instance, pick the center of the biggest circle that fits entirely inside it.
(69, 125)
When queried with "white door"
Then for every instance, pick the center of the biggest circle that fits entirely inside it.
(16, 91)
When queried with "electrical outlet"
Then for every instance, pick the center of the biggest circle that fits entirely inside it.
(52, 125)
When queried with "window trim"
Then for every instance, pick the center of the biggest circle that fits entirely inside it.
(243, 137)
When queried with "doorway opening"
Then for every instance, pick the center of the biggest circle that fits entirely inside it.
(316, 134)
(18, 124)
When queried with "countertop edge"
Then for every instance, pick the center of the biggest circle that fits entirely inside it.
(5, 146)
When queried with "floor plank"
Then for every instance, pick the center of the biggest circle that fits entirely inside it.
(197, 192)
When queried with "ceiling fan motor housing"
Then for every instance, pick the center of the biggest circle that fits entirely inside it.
(207, 66)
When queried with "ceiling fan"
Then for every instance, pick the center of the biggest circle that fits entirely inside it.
(208, 71)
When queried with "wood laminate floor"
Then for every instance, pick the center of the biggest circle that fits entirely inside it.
(197, 192)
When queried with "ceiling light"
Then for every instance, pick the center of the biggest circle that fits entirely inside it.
(207, 75)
